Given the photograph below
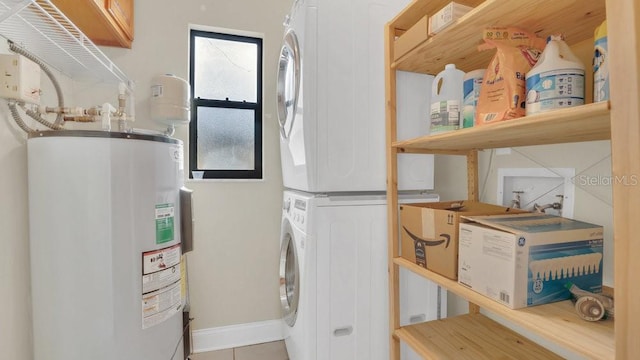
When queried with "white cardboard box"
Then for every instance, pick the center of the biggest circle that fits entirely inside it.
(523, 260)
(447, 16)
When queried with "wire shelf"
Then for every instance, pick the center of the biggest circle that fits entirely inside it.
(40, 28)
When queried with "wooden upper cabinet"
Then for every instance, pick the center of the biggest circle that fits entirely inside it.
(105, 22)
(122, 13)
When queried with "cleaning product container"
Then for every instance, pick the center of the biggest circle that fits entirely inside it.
(446, 100)
(601, 64)
(557, 79)
(471, 92)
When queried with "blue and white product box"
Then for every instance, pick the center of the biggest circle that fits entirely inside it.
(522, 260)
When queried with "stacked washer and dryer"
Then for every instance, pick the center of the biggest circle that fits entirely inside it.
(333, 265)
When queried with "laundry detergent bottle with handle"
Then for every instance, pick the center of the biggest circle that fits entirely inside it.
(557, 79)
(446, 100)
(601, 64)
(472, 82)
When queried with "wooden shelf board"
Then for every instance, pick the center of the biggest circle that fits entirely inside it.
(465, 337)
(581, 123)
(458, 43)
(557, 322)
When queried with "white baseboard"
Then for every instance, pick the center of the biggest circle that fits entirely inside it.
(226, 337)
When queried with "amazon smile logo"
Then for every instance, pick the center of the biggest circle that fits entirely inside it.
(421, 244)
(446, 238)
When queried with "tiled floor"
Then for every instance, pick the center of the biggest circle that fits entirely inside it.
(267, 351)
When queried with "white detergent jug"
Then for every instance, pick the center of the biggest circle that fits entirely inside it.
(472, 82)
(446, 100)
(557, 79)
(601, 64)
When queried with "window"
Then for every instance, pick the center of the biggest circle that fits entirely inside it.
(225, 133)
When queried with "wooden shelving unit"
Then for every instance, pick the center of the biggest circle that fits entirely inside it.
(584, 123)
(617, 120)
(575, 19)
(465, 337)
(557, 321)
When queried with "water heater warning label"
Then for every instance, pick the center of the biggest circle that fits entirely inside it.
(165, 215)
(161, 288)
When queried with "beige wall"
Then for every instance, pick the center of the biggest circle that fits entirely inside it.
(234, 268)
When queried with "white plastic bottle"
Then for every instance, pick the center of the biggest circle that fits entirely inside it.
(601, 64)
(446, 100)
(557, 79)
(472, 82)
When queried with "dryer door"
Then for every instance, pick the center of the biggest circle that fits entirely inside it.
(288, 86)
(289, 276)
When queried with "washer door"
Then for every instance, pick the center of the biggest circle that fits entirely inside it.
(289, 276)
(288, 86)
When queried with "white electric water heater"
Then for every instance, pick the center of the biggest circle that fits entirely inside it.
(106, 240)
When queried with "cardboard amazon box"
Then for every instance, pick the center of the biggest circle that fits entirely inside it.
(429, 232)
